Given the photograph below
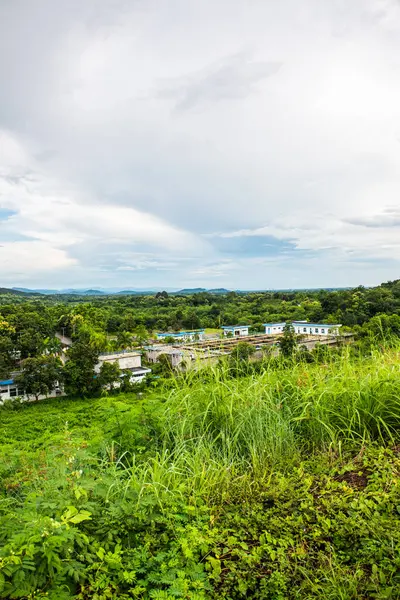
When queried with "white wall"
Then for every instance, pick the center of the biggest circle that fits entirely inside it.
(237, 332)
(274, 329)
(125, 361)
(315, 330)
(5, 394)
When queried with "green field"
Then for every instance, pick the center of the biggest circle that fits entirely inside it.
(282, 485)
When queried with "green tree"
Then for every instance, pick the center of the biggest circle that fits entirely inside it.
(165, 368)
(29, 343)
(79, 370)
(52, 345)
(7, 354)
(40, 375)
(109, 375)
(288, 341)
(141, 335)
(124, 340)
(242, 352)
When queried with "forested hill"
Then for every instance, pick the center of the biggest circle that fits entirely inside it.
(15, 292)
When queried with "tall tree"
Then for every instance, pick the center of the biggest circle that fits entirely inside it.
(40, 375)
(288, 341)
(80, 377)
(109, 375)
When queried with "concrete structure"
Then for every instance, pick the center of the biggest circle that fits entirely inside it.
(10, 390)
(153, 353)
(274, 328)
(235, 330)
(303, 328)
(182, 336)
(127, 360)
(66, 342)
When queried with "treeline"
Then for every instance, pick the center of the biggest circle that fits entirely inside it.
(28, 325)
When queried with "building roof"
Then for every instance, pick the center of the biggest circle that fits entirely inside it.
(7, 382)
(235, 326)
(273, 324)
(298, 323)
(118, 354)
(139, 370)
(180, 333)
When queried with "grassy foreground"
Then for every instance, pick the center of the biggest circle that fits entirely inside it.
(282, 485)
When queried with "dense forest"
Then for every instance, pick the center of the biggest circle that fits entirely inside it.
(26, 322)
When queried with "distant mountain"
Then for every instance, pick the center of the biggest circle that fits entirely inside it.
(188, 291)
(135, 293)
(114, 291)
(14, 291)
(84, 292)
(59, 292)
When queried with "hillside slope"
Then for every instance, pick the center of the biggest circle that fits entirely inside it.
(283, 485)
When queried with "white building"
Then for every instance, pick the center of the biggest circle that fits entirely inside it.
(127, 360)
(10, 390)
(182, 336)
(303, 328)
(235, 330)
(274, 328)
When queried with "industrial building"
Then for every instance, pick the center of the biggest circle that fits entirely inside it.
(235, 330)
(303, 328)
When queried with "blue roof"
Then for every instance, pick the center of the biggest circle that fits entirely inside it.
(273, 324)
(235, 326)
(7, 382)
(301, 323)
(180, 333)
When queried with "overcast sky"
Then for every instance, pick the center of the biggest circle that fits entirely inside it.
(166, 143)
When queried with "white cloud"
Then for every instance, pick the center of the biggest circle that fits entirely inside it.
(19, 259)
(372, 237)
(152, 123)
(55, 220)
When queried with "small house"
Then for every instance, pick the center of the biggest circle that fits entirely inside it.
(274, 328)
(235, 330)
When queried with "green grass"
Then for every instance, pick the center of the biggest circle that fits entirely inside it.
(279, 485)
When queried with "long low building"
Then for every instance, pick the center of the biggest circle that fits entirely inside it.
(304, 328)
(184, 336)
(10, 390)
(316, 328)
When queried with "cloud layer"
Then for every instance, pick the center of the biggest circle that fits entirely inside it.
(250, 145)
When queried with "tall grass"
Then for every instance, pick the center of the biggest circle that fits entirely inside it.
(221, 436)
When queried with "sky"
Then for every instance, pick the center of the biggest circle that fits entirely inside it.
(247, 144)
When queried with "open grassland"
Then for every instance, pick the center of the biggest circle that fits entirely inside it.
(280, 485)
